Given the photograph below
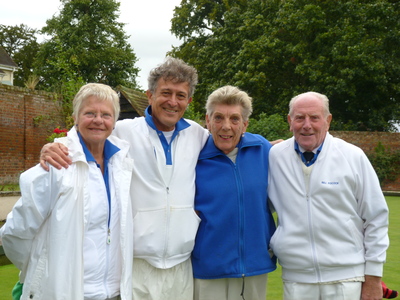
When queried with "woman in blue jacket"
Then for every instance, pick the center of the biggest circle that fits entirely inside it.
(231, 258)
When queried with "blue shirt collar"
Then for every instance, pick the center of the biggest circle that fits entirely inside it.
(182, 124)
(109, 150)
(210, 149)
(297, 149)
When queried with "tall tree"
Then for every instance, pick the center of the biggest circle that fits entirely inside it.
(21, 44)
(87, 42)
(275, 49)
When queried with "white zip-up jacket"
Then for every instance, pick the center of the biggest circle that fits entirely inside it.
(165, 223)
(338, 229)
(43, 235)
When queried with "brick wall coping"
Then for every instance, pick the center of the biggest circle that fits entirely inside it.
(26, 90)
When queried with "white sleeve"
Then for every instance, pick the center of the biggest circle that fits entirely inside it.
(373, 210)
(28, 214)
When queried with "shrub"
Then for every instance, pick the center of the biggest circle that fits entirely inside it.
(191, 114)
(271, 127)
(57, 132)
(385, 162)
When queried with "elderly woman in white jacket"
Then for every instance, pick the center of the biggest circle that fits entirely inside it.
(70, 233)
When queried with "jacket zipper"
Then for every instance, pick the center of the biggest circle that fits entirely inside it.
(168, 216)
(241, 219)
(310, 226)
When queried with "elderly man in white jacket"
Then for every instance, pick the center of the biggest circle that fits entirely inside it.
(333, 219)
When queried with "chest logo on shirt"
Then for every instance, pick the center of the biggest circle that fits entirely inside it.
(330, 182)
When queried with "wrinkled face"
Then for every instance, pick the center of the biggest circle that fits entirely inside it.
(95, 121)
(308, 122)
(226, 125)
(168, 103)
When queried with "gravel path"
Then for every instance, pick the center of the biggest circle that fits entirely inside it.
(6, 204)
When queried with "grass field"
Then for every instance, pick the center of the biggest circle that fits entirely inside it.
(8, 278)
(9, 274)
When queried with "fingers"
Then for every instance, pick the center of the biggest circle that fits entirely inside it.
(276, 142)
(56, 155)
(56, 163)
(43, 164)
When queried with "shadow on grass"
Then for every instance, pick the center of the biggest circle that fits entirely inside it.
(4, 260)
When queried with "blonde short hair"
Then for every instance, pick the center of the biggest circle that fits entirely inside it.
(102, 92)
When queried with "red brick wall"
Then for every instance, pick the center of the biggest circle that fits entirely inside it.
(21, 138)
(26, 119)
(368, 141)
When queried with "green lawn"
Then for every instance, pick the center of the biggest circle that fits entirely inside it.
(392, 266)
(9, 274)
(8, 278)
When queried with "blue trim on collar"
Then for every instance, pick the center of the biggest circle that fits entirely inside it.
(297, 149)
(109, 150)
(180, 125)
(210, 149)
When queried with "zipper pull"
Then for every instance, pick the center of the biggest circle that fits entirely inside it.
(242, 293)
(109, 237)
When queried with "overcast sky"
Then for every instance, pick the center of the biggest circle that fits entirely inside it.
(147, 23)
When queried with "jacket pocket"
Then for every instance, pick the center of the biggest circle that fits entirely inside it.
(150, 228)
(184, 223)
(272, 243)
(356, 235)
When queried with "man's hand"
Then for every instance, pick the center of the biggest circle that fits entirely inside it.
(55, 154)
(276, 142)
(372, 288)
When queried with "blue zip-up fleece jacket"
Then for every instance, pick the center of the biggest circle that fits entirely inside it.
(231, 200)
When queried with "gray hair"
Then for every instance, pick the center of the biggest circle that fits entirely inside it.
(324, 99)
(102, 92)
(230, 95)
(175, 70)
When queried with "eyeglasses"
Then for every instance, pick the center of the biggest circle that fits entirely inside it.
(92, 115)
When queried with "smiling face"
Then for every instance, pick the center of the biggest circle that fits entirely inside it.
(226, 125)
(95, 121)
(308, 121)
(168, 103)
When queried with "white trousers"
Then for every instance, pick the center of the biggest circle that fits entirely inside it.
(150, 283)
(255, 288)
(312, 291)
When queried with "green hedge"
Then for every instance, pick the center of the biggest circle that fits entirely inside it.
(385, 162)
